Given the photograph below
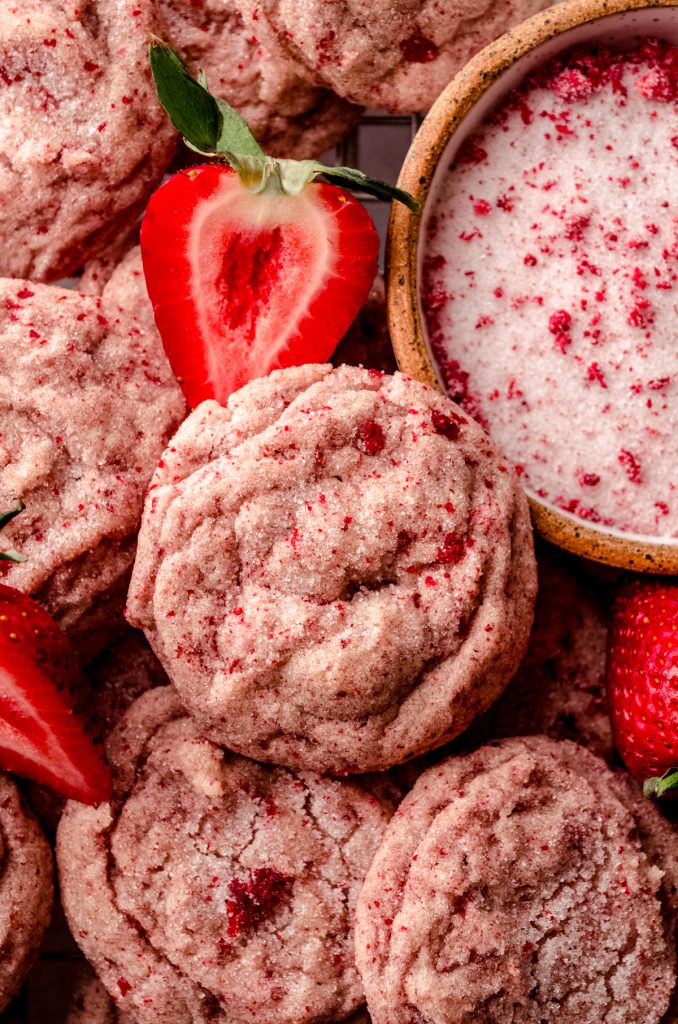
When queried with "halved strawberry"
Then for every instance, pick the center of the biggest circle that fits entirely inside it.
(244, 283)
(250, 264)
(642, 681)
(42, 735)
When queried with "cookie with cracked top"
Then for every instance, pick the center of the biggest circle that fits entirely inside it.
(214, 889)
(83, 139)
(26, 889)
(336, 569)
(525, 883)
(394, 55)
(559, 689)
(87, 403)
(91, 1004)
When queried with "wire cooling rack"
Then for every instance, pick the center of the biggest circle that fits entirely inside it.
(377, 145)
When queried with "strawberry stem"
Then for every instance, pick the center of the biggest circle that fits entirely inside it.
(6, 517)
(210, 126)
(662, 784)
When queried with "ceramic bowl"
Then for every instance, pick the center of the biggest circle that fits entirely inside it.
(458, 112)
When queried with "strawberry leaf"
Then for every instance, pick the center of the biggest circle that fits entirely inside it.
(190, 107)
(657, 787)
(234, 135)
(208, 125)
(351, 178)
(211, 126)
(6, 517)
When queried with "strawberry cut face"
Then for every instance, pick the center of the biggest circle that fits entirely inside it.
(642, 676)
(43, 729)
(245, 283)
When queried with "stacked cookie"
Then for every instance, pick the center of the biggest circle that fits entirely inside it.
(312, 641)
(329, 583)
(336, 572)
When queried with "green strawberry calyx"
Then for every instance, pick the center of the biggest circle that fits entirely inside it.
(6, 517)
(662, 784)
(211, 127)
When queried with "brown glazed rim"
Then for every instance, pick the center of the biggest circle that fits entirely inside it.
(449, 110)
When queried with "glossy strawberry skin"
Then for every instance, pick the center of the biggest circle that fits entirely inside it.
(642, 676)
(243, 284)
(43, 732)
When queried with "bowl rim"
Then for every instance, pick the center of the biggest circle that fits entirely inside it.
(628, 551)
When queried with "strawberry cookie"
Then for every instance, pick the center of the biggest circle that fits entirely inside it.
(523, 883)
(82, 136)
(122, 673)
(213, 888)
(559, 689)
(88, 402)
(25, 889)
(91, 1004)
(336, 569)
(121, 281)
(394, 56)
(289, 114)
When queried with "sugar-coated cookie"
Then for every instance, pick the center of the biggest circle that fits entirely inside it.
(91, 1004)
(83, 139)
(87, 403)
(214, 889)
(26, 889)
(336, 570)
(395, 54)
(559, 689)
(524, 883)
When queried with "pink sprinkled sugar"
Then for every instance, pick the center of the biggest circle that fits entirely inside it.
(550, 283)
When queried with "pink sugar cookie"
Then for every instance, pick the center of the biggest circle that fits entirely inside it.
(82, 136)
(92, 1004)
(25, 889)
(215, 889)
(88, 402)
(398, 56)
(336, 570)
(524, 883)
(559, 689)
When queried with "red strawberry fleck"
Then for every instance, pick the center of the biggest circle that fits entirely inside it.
(657, 84)
(642, 677)
(572, 85)
(631, 466)
(446, 425)
(253, 899)
(419, 49)
(452, 550)
(370, 438)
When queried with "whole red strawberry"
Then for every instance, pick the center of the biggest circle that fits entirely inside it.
(642, 681)
(43, 736)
